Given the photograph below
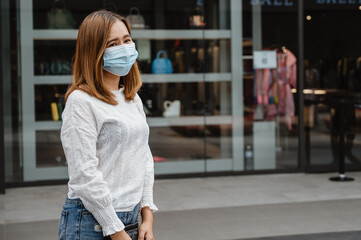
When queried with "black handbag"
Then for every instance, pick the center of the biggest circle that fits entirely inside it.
(132, 230)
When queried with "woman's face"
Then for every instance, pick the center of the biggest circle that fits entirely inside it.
(118, 35)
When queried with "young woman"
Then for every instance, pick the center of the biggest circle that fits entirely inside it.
(105, 137)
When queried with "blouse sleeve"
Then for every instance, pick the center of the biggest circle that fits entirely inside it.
(79, 134)
(147, 197)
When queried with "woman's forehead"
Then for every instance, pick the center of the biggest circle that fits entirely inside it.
(118, 29)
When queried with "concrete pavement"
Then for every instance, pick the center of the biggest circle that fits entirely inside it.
(237, 207)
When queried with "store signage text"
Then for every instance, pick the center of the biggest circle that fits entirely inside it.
(341, 2)
(277, 3)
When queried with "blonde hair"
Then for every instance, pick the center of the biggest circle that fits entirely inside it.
(88, 59)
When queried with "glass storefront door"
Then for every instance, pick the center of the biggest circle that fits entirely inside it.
(270, 83)
(332, 77)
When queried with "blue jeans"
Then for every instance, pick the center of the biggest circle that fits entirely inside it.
(76, 222)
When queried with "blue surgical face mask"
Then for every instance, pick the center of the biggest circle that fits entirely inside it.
(120, 59)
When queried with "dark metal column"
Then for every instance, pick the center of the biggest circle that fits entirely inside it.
(301, 131)
(2, 155)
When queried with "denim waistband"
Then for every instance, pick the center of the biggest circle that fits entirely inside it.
(73, 201)
(78, 201)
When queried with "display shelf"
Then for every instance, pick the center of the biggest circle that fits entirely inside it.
(186, 77)
(196, 166)
(55, 34)
(188, 121)
(154, 122)
(247, 57)
(181, 34)
(147, 78)
(160, 34)
(47, 125)
(52, 79)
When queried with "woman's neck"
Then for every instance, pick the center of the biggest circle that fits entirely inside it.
(111, 81)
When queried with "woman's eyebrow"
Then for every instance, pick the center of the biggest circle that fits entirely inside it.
(126, 36)
(111, 40)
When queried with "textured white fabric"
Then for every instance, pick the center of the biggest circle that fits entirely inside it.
(110, 164)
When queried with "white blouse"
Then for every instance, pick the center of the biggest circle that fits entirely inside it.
(110, 164)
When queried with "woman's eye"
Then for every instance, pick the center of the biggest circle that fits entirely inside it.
(128, 41)
(112, 45)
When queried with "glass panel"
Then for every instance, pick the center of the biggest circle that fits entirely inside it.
(49, 151)
(270, 116)
(176, 104)
(53, 57)
(183, 99)
(218, 98)
(218, 131)
(143, 14)
(219, 141)
(49, 102)
(170, 99)
(177, 143)
(332, 74)
(62, 14)
(186, 56)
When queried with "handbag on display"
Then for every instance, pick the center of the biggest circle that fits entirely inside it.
(59, 17)
(136, 20)
(162, 65)
(172, 109)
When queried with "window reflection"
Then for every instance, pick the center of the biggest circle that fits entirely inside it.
(332, 77)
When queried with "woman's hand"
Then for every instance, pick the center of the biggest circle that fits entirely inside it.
(120, 236)
(146, 228)
(146, 231)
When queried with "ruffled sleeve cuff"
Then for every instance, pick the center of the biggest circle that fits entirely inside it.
(109, 220)
(151, 205)
(113, 228)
